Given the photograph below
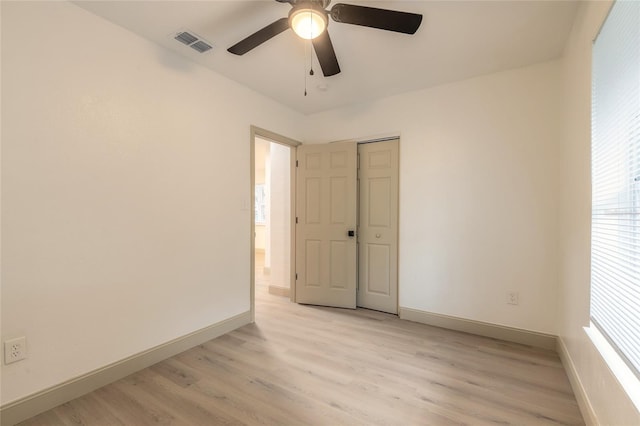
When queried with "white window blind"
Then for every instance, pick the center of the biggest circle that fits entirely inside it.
(615, 162)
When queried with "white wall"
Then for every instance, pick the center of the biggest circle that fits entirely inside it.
(125, 193)
(260, 240)
(267, 226)
(261, 155)
(478, 192)
(280, 215)
(610, 404)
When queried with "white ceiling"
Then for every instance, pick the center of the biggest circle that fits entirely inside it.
(457, 40)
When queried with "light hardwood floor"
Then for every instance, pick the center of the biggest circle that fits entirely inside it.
(304, 365)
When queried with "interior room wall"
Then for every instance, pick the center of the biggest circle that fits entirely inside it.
(260, 243)
(608, 401)
(478, 192)
(267, 224)
(261, 156)
(280, 214)
(125, 193)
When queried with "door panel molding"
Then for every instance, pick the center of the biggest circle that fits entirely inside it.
(326, 211)
(378, 180)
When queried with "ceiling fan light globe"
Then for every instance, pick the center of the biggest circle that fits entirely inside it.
(308, 23)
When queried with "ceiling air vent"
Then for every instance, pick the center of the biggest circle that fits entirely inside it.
(193, 41)
(200, 46)
(186, 38)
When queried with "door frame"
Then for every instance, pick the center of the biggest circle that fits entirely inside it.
(291, 143)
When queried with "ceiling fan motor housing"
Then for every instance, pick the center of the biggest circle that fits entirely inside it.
(314, 11)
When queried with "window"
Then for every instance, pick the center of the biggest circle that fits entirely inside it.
(260, 205)
(615, 171)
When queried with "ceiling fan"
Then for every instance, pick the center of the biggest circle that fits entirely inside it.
(309, 20)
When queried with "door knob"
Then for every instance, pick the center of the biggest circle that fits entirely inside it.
(351, 233)
(377, 235)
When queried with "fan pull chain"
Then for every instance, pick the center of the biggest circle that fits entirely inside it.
(307, 48)
(304, 66)
(310, 58)
(310, 66)
(310, 43)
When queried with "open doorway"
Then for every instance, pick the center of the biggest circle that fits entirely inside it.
(273, 179)
(272, 217)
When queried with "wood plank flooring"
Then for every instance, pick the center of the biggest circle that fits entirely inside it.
(305, 365)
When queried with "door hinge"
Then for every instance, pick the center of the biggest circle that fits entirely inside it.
(296, 276)
(296, 163)
(296, 219)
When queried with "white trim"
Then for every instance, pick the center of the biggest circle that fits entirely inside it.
(580, 393)
(371, 139)
(510, 334)
(34, 404)
(277, 290)
(627, 378)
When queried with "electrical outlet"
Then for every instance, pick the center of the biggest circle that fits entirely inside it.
(15, 349)
(512, 298)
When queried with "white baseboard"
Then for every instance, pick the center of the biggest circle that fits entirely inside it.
(27, 407)
(279, 290)
(585, 406)
(510, 334)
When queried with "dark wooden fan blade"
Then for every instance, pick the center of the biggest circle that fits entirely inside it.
(259, 37)
(390, 20)
(326, 55)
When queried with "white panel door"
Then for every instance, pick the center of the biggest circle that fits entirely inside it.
(378, 226)
(325, 212)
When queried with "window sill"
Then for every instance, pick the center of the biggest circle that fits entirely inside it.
(618, 367)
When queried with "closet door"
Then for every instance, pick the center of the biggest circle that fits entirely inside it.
(326, 205)
(378, 226)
